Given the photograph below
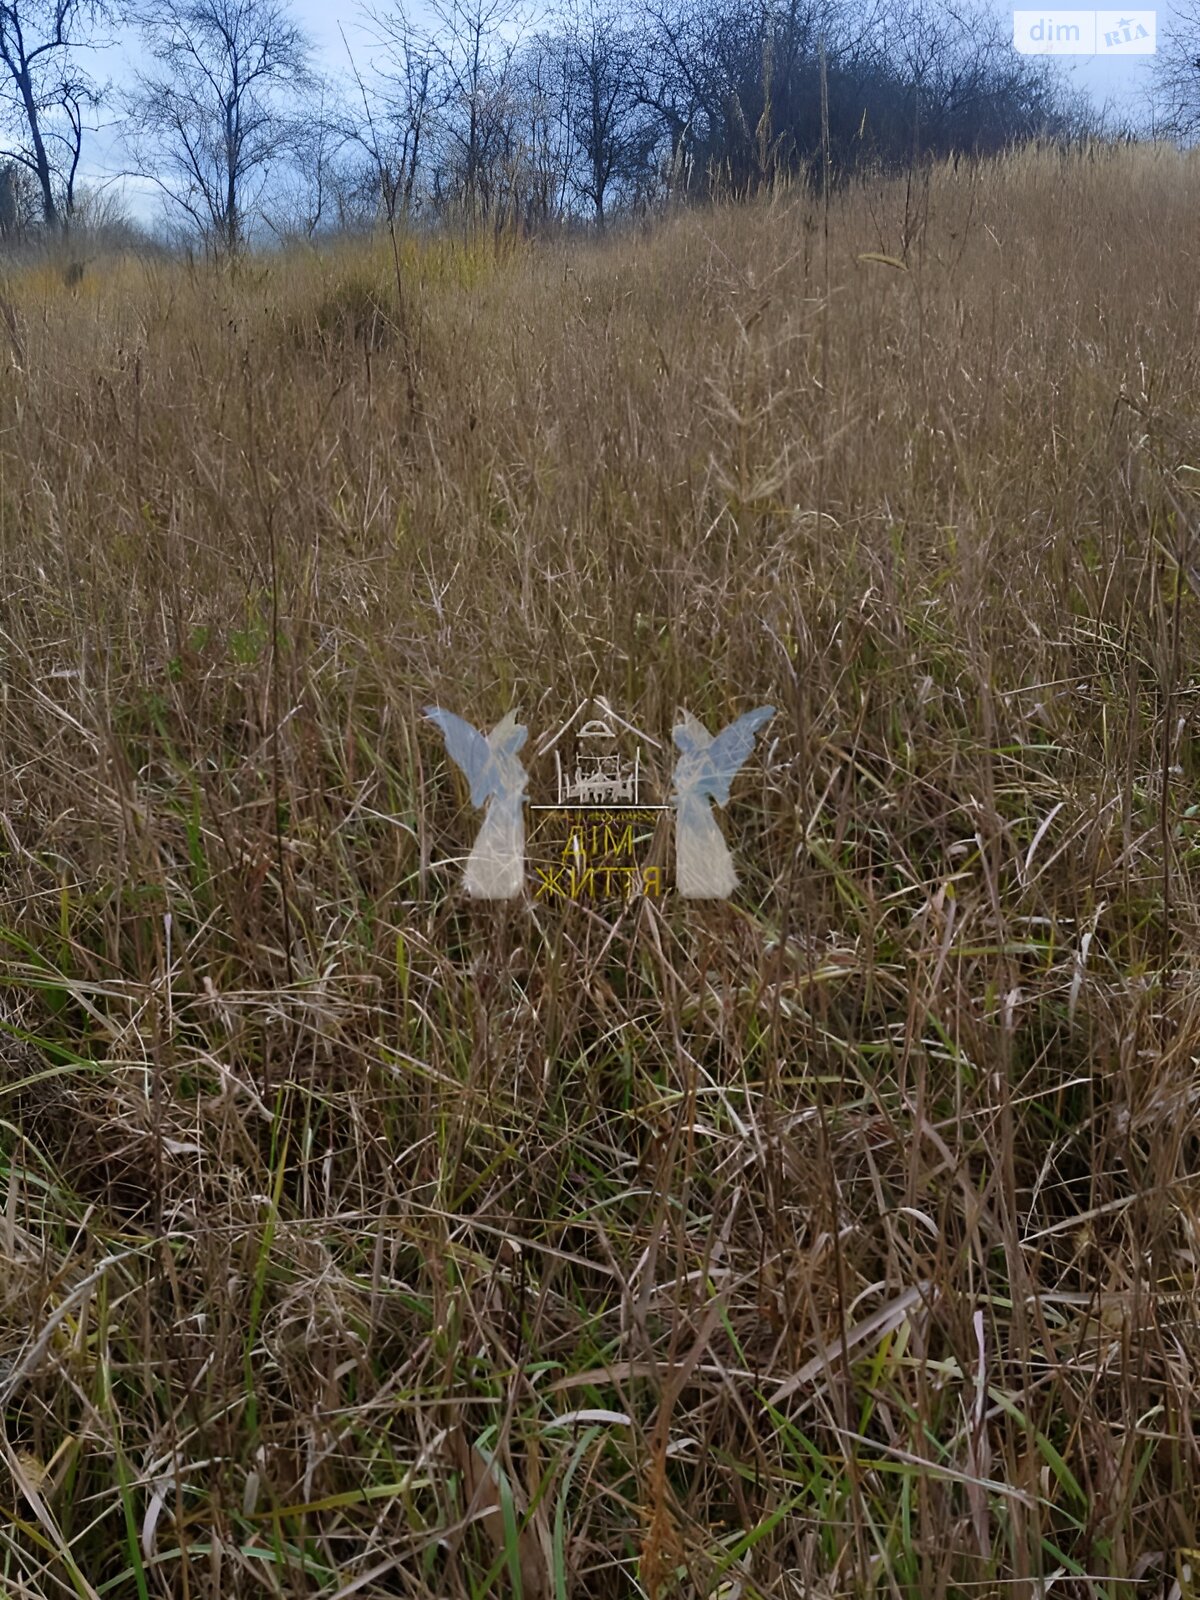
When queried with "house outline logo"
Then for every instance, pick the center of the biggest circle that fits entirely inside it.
(598, 776)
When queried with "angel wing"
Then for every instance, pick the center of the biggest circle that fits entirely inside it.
(709, 764)
(495, 867)
(490, 764)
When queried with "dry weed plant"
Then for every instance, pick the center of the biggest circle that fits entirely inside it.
(360, 1240)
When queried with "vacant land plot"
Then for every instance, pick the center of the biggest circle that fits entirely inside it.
(360, 1239)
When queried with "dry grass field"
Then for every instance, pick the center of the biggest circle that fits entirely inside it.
(359, 1239)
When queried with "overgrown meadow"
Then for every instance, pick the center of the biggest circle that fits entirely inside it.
(361, 1239)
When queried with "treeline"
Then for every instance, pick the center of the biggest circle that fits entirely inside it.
(483, 114)
(612, 108)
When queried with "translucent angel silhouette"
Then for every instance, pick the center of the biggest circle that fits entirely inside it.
(496, 866)
(704, 772)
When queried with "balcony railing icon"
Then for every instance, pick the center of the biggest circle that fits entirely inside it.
(599, 778)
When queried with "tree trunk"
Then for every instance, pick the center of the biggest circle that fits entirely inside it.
(49, 208)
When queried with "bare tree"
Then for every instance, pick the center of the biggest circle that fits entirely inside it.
(220, 112)
(8, 200)
(738, 86)
(476, 45)
(1177, 73)
(545, 96)
(405, 92)
(20, 204)
(967, 88)
(315, 172)
(46, 92)
(601, 64)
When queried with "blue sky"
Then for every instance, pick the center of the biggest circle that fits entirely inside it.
(1121, 83)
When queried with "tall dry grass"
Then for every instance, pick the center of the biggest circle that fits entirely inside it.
(840, 1240)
